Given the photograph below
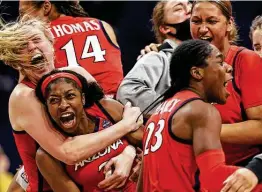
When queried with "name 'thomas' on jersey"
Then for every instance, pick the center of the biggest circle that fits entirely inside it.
(83, 41)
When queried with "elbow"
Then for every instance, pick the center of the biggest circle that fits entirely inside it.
(72, 155)
(41, 156)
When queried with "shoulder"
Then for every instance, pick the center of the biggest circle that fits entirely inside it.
(249, 57)
(113, 107)
(21, 94)
(198, 112)
(152, 60)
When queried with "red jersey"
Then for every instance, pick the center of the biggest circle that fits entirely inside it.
(169, 161)
(84, 41)
(246, 92)
(88, 173)
(27, 148)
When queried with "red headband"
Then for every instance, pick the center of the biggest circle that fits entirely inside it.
(55, 76)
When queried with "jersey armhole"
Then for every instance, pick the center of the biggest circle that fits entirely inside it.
(173, 136)
(107, 36)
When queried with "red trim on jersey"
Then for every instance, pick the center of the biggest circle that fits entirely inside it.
(28, 83)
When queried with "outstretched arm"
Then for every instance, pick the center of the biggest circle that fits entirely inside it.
(54, 173)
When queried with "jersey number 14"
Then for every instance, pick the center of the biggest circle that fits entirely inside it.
(91, 42)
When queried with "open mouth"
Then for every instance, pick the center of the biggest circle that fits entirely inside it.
(37, 59)
(68, 119)
(205, 38)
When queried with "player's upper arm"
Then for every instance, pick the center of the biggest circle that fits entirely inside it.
(110, 32)
(205, 122)
(54, 173)
(28, 113)
(115, 109)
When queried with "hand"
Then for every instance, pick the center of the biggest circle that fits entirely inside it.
(130, 117)
(147, 49)
(136, 170)
(122, 164)
(242, 180)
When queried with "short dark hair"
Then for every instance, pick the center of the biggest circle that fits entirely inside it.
(93, 92)
(188, 54)
(69, 7)
(256, 24)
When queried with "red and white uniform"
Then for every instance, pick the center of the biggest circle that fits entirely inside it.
(246, 93)
(169, 161)
(83, 41)
(88, 173)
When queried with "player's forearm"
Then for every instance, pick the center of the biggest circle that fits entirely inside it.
(135, 138)
(213, 169)
(84, 146)
(247, 132)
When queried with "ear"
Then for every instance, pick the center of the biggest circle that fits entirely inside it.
(197, 73)
(83, 99)
(47, 6)
(165, 29)
(230, 24)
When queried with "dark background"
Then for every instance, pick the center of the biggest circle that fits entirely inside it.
(131, 22)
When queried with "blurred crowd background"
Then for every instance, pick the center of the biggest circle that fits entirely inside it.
(131, 22)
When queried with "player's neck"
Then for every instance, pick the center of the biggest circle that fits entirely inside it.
(86, 125)
(196, 89)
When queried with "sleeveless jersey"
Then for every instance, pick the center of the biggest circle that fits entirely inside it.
(169, 161)
(88, 173)
(84, 41)
(245, 92)
(27, 148)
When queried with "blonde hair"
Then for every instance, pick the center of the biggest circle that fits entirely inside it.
(158, 17)
(14, 38)
(226, 9)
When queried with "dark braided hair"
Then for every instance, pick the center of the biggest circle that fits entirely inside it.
(93, 92)
(188, 54)
(69, 7)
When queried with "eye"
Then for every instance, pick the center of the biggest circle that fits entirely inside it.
(257, 48)
(36, 39)
(53, 100)
(176, 9)
(196, 21)
(71, 96)
(212, 22)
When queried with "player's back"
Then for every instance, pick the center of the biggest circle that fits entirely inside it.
(83, 41)
(169, 162)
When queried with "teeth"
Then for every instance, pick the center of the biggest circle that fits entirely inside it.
(36, 56)
(66, 115)
(204, 38)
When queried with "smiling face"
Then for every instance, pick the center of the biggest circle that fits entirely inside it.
(217, 74)
(65, 105)
(208, 23)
